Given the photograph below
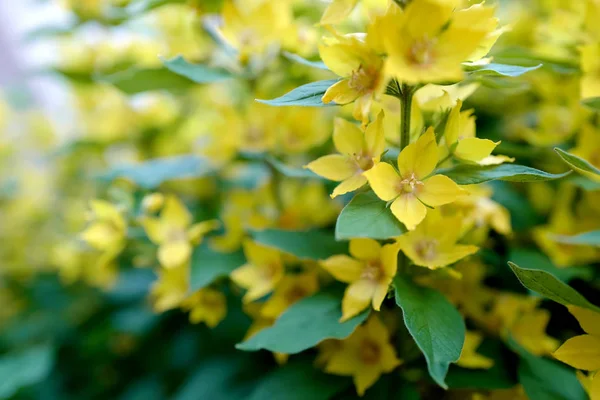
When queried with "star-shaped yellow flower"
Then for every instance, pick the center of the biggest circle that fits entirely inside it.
(583, 351)
(359, 151)
(206, 305)
(413, 189)
(369, 272)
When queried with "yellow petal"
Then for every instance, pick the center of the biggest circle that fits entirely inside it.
(581, 352)
(588, 319)
(174, 253)
(347, 137)
(389, 259)
(474, 149)
(409, 210)
(343, 268)
(197, 231)
(335, 167)
(365, 249)
(439, 190)
(384, 181)
(595, 387)
(337, 11)
(419, 158)
(349, 185)
(450, 256)
(365, 377)
(341, 363)
(100, 235)
(261, 256)
(375, 136)
(175, 213)
(495, 160)
(338, 58)
(357, 297)
(154, 229)
(453, 124)
(104, 210)
(340, 93)
(379, 294)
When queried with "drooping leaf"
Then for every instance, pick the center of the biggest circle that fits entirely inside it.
(151, 174)
(577, 163)
(308, 95)
(21, 369)
(196, 72)
(289, 171)
(494, 69)
(522, 256)
(547, 285)
(136, 80)
(473, 174)
(312, 245)
(583, 239)
(301, 60)
(298, 380)
(585, 183)
(366, 216)
(435, 324)
(305, 324)
(208, 265)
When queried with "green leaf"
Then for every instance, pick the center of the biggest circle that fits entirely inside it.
(308, 95)
(208, 265)
(24, 368)
(151, 174)
(133, 81)
(584, 182)
(312, 245)
(544, 379)
(305, 324)
(473, 174)
(196, 72)
(494, 69)
(577, 163)
(547, 285)
(434, 323)
(366, 216)
(592, 102)
(583, 239)
(298, 380)
(291, 172)
(301, 60)
(522, 256)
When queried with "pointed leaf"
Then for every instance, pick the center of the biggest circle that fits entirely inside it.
(577, 163)
(494, 69)
(291, 172)
(196, 72)
(583, 239)
(208, 265)
(308, 95)
(300, 60)
(473, 174)
(21, 369)
(136, 80)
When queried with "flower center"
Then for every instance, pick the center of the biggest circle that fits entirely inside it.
(427, 249)
(295, 293)
(372, 271)
(363, 80)
(421, 53)
(176, 235)
(363, 161)
(370, 352)
(410, 184)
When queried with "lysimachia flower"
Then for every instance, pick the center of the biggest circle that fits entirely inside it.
(469, 358)
(171, 288)
(108, 230)
(433, 244)
(365, 355)
(481, 211)
(206, 305)
(360, 68)
(412, 188)
(261, 274)
(428, 41)
(174, 233)
(368, 272)
(359, 152)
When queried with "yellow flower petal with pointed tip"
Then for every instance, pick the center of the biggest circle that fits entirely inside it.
(340, 93)
(349, 185)
(337, 11)
(357, 297)
(495, 160)
(197, 231)
(365, 249)
(103, 210)
(439, 190)
(172, 254)
(154, 229)
(348, 138)
(409, 210)
(588, 320)
(419, 158)
(339, 58)
(581, 352)
(175, 213)
(343, 268)
(474, 149)
(384, 181)
(469, 358)
(100, 235)
(375, 135)
(379, 294)
(335, 167)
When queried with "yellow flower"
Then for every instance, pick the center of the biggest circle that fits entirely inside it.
(433, 243)
(337, 11)
(305, 205)
(206, 305)
(289, 290)
(590, 64)
(359, 152)
(482, 211)
(369, 272)
(413, 189)
(108, 230)
(469, 358)
(365, 355)
(174, 233)
(529, 330)
(359, 66)
(591, 384)
(462, 143)
(261, 274)
(429, 40)
(171, 288)
(583, 351)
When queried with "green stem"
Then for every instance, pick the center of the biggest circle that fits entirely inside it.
(406, 96)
